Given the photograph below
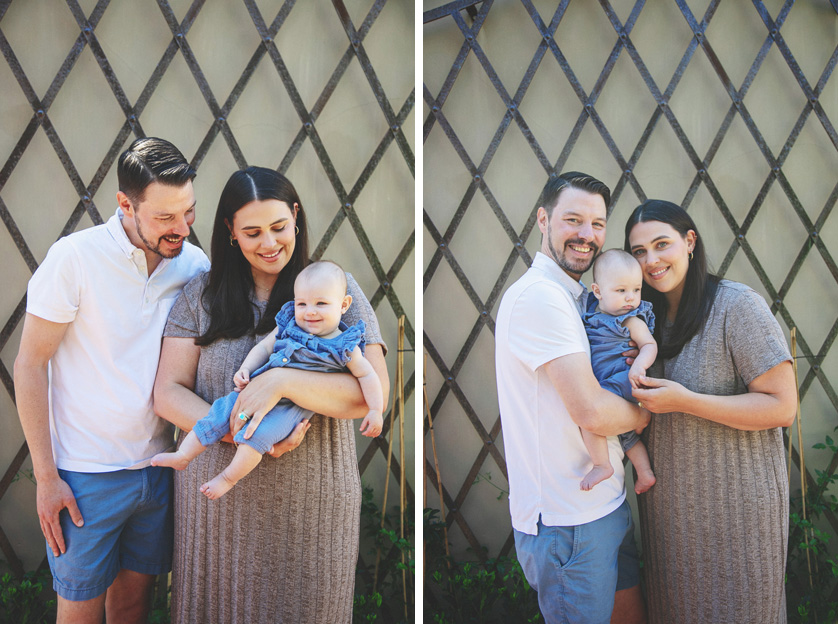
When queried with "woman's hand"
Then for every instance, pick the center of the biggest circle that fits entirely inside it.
(257, 399)
(660, 396)
(292, 441)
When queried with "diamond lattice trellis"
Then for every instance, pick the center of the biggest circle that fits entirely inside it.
(364, 211)
(725, 110)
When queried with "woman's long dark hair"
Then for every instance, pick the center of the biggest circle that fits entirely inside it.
(699, 284)
(227, 295)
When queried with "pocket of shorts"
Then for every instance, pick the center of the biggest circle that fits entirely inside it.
(566, 545)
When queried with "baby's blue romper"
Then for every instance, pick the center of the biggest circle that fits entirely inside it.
(609, 339)
(293, 348)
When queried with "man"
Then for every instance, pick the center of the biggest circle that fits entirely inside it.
(567, 540)
(84, 374)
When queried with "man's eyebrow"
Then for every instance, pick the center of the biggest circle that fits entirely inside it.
(573, 213)
(166, 213)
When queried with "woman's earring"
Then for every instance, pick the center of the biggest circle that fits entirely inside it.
(691, 255)
(233, 241)
(297, 230)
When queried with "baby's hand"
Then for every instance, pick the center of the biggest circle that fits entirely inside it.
(241, 378)
(635, 374)
(372, 424)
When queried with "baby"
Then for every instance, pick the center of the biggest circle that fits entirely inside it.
(616, 315)
(309, 335)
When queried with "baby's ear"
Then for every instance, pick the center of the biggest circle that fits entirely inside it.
(595, 290)
(347, 301)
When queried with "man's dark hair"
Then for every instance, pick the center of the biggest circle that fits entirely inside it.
(150, 160)
(572, 179)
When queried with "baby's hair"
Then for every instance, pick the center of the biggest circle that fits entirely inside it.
(324, 269)
(613, 259)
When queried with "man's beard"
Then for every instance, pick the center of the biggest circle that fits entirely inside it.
(155, 248)
(580, 266)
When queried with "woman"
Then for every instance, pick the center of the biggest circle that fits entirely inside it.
(282, 545)
(715, 524)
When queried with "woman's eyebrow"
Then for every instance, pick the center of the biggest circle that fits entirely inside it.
(256, 227)
(654, 240)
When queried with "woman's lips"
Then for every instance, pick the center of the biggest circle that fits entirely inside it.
(658, 273)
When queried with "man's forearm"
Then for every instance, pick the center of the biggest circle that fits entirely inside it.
(31, 393)
(591, 406)
(610, 415)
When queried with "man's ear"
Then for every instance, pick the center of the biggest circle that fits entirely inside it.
(596, 291)
(124, 204)
(542, 218)
(347, 301)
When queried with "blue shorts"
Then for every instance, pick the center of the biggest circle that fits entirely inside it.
(128, 523)
(577, 569)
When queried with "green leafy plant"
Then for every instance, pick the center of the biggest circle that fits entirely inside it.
(486, 477)
(21, 600)
(386, 602)
(811, 580)
(24, 473)
(460, 592)
(160, 610)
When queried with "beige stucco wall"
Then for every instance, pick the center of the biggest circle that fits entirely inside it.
(87, 119)
(551, 108)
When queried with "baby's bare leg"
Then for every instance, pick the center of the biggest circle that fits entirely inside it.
(598, 449)
(640, 458)
(189, 450)
(245, 460)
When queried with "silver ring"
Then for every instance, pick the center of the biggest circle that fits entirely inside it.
(243, 416)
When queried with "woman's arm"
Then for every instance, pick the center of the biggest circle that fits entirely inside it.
(771, 401)
(337, 395)
(174, 388)
(176, 401)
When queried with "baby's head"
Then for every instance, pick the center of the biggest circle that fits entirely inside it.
(320, 298)
(617, 282)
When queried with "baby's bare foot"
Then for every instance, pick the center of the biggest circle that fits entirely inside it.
(170, 460)
(217, 487)
(598, 474)
(645, 480)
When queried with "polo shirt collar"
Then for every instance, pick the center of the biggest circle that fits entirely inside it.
(557, 274)
(116, 230)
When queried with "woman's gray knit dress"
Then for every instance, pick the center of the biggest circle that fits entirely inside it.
(282, 545)
(715, 524)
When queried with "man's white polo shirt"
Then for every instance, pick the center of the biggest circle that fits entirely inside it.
(538, 321)
(102, 374)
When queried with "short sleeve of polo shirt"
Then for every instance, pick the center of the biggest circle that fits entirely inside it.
(544, 325)
(54, 290)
